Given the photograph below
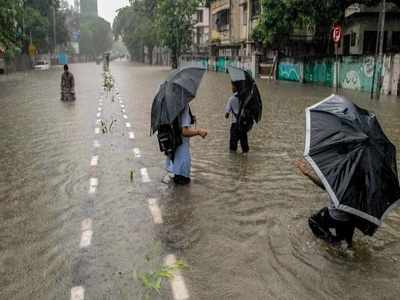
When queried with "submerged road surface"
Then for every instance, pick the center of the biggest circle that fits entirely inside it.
(84, 215)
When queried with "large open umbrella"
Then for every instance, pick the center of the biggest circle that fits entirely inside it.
(355, 161)
(249, 95)
(174, 94)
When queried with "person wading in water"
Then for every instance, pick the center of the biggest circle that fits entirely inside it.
(67, 85)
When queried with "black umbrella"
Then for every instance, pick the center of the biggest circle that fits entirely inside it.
(174, 94)
(355, 161)
(249, 95)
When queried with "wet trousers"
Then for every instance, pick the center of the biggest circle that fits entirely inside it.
(331, 230)
(236, 136)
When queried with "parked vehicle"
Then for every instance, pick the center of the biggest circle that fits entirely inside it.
(42, 65)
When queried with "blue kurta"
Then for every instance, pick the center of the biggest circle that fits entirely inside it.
(182, 162)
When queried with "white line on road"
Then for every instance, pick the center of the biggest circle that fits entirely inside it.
(94, 182)
(100, 103)
(128, 125)
(77, 293)
(155, 211)
(97, 130)
(98, 115)
(124, 111)
(137, 153)
(87, 233)
(96, 144)
(95, 161)
(145, 175)
(125, 117)
(178, 286)
(122, 106)
(99, 109)
(132, 135)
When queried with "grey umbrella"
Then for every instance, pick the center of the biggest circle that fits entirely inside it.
(174, 94)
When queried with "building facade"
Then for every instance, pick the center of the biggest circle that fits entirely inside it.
(201, 31)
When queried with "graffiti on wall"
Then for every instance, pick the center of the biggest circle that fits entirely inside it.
(356, 73)
(289, 71)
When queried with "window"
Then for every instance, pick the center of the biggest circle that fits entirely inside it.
(222, 20)
(244, 15)
(370, 42)
(396, 39)
(255, 8)
(199, 16)
(353, 39)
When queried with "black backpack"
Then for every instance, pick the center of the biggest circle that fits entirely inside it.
(170, 136)
(246, 111)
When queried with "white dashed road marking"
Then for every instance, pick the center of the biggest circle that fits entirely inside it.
(132, 135)
(123, 110)
(96, 144)
(95, 160)
(125, 117)
(87, 233)
(77, 293)
(94, 182)
(98, 115)
(128, 125)
(145, 175)
(155, 211)
(99, 109)
(178, 286)
(97, 130)
(137, 153)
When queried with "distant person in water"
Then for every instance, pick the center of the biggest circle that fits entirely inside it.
(329, 224)
(67, 85)
(236, 134)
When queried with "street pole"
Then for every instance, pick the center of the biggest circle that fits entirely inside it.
(379, 48)
(54, 29)
(381, 42)
(337, 68)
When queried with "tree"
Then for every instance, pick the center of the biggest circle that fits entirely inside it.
(136, 25)
(10, 19)
(280, 19)
(175, 25)
(96, 36)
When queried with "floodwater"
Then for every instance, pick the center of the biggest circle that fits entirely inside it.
(241, 226)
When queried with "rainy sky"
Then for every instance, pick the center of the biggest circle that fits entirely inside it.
(107, 8)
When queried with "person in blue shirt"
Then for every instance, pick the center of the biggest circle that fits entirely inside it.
(181, 166)
(236, 135)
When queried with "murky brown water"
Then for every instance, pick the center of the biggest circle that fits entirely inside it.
(241, 226)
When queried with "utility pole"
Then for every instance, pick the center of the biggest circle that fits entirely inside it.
(378, 61)
(54, 29)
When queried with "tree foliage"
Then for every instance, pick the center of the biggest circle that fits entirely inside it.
(96, 36)
(281, 19)
(175, 25)
(135, 24)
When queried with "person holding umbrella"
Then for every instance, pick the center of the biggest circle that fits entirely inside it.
(173, 121)
(355, 163)
(245, 105)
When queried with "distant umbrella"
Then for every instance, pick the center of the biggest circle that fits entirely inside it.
(355, 161)
(174, 94)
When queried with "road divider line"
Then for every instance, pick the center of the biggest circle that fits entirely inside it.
(94, 182)
(95, 161)
(99, 109)
(86, 233)
(128, 125)
(122, 106)
(155, 211)
(96, 144)
(125, 117)
(77, 293)
(97, 130)
(177, 282)
(132, 135)
(137, 153)
(145, 175)
(98, 115)
(123, 110)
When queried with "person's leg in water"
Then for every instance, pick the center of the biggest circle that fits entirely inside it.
(244, 142)
(234, 138)
(330, 230)
(181, 180)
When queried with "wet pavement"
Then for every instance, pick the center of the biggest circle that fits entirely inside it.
(241, 226)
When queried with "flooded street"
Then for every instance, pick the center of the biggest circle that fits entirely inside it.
(240, 227)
